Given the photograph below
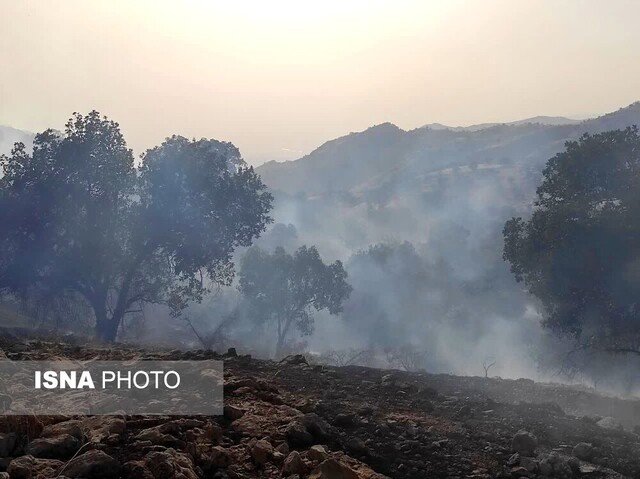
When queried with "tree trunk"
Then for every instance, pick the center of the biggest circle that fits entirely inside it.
(106, 328)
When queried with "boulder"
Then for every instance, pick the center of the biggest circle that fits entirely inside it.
(317, 453)
(333, 469)
(72, 427)
(297, 435)
(524, 443)
(94, 464)
(28, 467)
(170, 464)
(316, 426)
(7, 444)
(261, 451)
(609, 423)
(293, 464)
(62, 446)
(583, 451)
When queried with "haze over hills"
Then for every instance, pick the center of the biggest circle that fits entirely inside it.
(386, 152)
(9, 136)
(543, 120)
(437, 200)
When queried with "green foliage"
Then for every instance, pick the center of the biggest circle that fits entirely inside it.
(286, 289)
(579, 253)
(79, 217)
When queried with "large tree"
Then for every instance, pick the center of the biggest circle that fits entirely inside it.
(284, 289)
(80, 218)
(579, 253)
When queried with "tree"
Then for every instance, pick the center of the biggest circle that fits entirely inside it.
(579, 253)
(285, 289)
(78, 217)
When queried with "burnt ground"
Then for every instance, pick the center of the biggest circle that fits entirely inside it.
(371, 423)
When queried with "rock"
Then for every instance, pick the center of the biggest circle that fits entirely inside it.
(357, 446)
(28, 467)
(136, 470)
(519, 472)
(72, 428)
(610, 423)
(56, 447)
(98, 428)
(514, 460)
(261, 452)
(524, 443)
(297, 435)
(170, 464)
(94, 464)
(332, 469)
(317, 427)
(546, 468)
(294, 359)
(220, 457)
(583, 451)
(293, 464)
(155, 436)
(232, 413)
(529, 464)
(7, 444)
(4, 475)
(346, 420)
(317, 453)
(283, 448)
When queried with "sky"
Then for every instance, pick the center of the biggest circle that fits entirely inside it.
(280, 77)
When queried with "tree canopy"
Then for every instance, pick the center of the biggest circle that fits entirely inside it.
(80, 218)
(285, 289)
(579, 253)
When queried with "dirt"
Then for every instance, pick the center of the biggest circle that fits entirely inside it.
(292, 419)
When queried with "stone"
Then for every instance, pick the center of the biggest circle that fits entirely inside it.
(609, 423)
(524, 443)
(170, 464)
(56, 447)
(261, 452)
(514, 460)
(529, 464)
(72, 427)
(333, 469)
(220, 457)
(232, 413)
(98, 428)
(297, 435)
(583, 451)
(7, 444)
(317, 453)
(293, 464)
(316, 426)
(28, 467)
(94, 464)
(137, 470)
(155, 436)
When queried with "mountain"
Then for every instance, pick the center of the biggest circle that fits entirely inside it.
(385, 153)
(542, 120)
(9, 136)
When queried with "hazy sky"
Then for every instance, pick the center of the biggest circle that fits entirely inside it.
(280, 77)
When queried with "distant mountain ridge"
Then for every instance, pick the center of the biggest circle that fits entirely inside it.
(9, 136)
(385, 151)
(542, 120)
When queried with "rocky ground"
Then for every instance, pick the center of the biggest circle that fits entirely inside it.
(294, 420)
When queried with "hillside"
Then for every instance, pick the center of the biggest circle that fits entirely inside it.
(9, 136)
(385, 153)
(295, 420)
